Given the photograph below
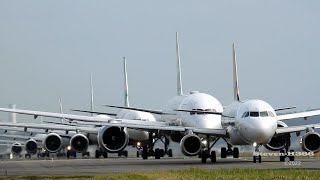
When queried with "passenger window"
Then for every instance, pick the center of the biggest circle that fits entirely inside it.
(264, 114)
(254, 114)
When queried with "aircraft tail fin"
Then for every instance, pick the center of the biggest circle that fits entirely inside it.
(91, 95)
(236, 90)
(179, 81)
(126, 90)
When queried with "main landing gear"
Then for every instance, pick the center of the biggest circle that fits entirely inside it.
(123, 153)
(205, 152)
(229, 152)
(102, 153)
(286, 153)
(147, 150)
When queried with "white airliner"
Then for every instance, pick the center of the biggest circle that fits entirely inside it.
(252, 122)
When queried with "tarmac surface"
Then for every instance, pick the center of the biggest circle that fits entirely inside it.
(92, 167)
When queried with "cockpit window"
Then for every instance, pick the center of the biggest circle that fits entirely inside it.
(204, 111)
(246, 114)
(264, 114)
(254, 114)
(270, 114)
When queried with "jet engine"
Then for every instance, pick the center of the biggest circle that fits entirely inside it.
(52, 142)
(176, 136)
(190, 145)
(310, 142)
(279, 141)
(79, 143)
(113, 139)
(31, 146)
(16, 148)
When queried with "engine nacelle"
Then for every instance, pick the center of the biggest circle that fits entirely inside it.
(176, 136)
(113, 139)
(310, 142)
(31, 146)
(16, 148)
(278, 142)
(52, 142)
(79, 143)
(190, 145)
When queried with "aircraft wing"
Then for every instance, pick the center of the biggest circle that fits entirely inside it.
(298, 115)
(72, 117)
(290, 129)
(141, 109)
(51, 127)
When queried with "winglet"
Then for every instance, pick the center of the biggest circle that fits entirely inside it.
(236, 90)
(179, 81)
(126, 90)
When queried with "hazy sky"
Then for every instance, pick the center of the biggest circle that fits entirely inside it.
(49, 48)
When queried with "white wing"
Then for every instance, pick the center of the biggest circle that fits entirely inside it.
(290, 129)
(298, 115)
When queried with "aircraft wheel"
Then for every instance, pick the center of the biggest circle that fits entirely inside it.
(236, 152)
(170, 153)
(213, 156)
(223, 152)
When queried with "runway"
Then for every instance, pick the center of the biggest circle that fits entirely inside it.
(77, 167)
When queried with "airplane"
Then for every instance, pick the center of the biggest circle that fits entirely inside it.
(137, 138)
(252, 122)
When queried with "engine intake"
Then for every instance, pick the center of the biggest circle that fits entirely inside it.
(16, 148)
(79, 143)
(176, 136)
(279, 141)
(52, 142)
(113, 139)
(31, 146)
(310, 142)
(190, 145)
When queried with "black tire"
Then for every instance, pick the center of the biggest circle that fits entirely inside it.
(97, 154)
(162, 153)
(291, 157)
(259, 158)
(254, 159)
(282, 158)
(105, 154)
(68, 154)
(170, 153)
(213, 156)
(119, 153)
(74, 154)
(157, 153)
(223, 152)
(144, 152)
(203, 159)
(125, 153)
(236, 152)
(138, 154)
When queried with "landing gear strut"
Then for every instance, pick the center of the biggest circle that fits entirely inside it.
(205, 152)
(286, 152)
(99, 153)
(148, 151)
(257, 156)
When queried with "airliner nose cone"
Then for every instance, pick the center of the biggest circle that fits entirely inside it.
(258, 130)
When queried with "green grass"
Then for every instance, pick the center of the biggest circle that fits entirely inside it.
(197, 174)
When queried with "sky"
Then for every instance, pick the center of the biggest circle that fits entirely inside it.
(48, 49)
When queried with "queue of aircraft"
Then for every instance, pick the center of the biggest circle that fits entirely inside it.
(195, 120)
